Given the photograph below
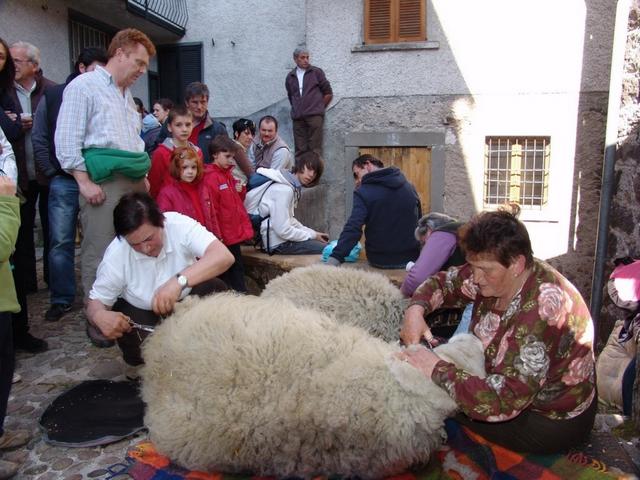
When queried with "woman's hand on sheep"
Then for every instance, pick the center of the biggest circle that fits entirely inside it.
(421, 358)
(112, 324)
(414, 327)
(166, 297)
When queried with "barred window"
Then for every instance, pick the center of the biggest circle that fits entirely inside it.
(517, 170)
(85, 32)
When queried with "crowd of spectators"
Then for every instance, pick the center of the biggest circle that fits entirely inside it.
(165, 200)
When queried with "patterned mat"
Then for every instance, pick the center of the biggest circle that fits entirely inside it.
(464, 456)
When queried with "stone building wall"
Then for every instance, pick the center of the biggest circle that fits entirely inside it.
(624, 231)
(564, 236)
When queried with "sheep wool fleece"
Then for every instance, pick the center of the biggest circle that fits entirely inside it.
(273, 389)
(350, 296)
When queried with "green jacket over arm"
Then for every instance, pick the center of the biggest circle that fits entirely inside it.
(9, 224)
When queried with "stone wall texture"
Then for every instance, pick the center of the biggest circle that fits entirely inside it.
(624, 232)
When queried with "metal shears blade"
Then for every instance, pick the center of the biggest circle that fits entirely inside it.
(139, 326)
(426, 343)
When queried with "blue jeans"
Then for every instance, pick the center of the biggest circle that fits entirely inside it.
(465, 321)
(63, 217)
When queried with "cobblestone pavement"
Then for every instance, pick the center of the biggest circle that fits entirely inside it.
(71, 359)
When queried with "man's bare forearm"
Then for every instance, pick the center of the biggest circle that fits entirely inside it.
(216, 260)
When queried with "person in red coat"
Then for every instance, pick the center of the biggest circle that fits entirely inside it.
(226, 193)
(186, 192)
(180, 124)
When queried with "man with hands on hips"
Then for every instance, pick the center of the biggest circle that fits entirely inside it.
(155, 261)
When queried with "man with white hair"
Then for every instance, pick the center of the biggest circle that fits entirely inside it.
(28, 89)
(309, 93)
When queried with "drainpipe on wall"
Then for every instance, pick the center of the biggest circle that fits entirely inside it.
(608, 167)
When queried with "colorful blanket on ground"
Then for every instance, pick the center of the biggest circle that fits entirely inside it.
(465, 455)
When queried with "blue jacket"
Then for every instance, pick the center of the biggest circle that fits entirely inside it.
(389, 208)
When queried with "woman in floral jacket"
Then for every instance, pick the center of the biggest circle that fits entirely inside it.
(539, 392)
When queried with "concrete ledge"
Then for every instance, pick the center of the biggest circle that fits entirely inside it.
(260, 268)
(390, 47)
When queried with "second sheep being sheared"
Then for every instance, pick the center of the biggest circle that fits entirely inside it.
(245, 384)
(351, 296)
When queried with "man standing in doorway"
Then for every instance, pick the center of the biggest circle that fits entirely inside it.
(309, 94)
(98, 141)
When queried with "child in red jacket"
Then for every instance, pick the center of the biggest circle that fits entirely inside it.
(233, 220)
(180, 125)
(186, 191)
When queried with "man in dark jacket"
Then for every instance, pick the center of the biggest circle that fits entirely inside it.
(309, 93)
(28, 89)
(63, 189)
(388, 207)
(205, 128)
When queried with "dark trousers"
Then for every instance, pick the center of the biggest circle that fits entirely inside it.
(304, 247)
(24, 257)
(234, 277)
(7, 364)
(307, 134)
(130, 342)
(20, 320)
(25, 254)
(531, 432)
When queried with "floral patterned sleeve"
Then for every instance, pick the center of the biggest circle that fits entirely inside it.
(453, 288)
(538, 353)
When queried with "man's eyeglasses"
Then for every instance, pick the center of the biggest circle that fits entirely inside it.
(18, 61)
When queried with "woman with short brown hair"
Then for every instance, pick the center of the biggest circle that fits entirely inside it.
(539, 393)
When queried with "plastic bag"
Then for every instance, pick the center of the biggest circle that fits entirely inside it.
(352, 257)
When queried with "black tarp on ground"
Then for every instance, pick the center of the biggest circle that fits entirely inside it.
(95, 412)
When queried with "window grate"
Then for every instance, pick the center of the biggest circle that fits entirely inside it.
(85, 31)
(517, 170)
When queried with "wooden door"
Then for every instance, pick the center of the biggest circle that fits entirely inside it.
(415, 163)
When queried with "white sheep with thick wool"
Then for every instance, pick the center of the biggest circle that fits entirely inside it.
(247, 384)
(349, 295)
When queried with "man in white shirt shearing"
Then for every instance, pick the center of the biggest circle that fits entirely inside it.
(155, 261)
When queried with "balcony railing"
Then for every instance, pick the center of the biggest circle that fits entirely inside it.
(169, 14)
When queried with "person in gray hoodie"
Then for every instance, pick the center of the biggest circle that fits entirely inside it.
(275, 201)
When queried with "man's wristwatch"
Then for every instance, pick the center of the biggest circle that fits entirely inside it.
(182, 281)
